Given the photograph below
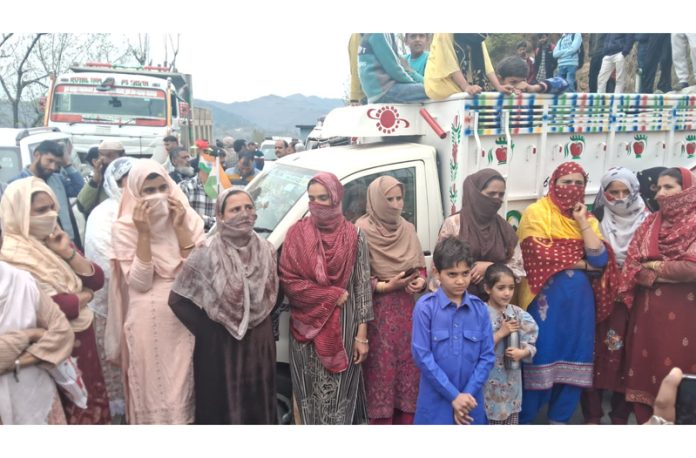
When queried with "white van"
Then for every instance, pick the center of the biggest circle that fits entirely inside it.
(431, 147)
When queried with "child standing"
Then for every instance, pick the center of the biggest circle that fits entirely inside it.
(452, 343)
(503, 390)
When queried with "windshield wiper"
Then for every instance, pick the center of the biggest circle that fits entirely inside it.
(87, 118)
(132, 120)
(263, 230)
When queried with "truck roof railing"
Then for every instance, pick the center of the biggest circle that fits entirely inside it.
(34, 130)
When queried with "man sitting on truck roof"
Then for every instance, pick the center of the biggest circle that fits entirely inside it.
(49, 156)
(92, 193)
(513, 71)
(382, 76)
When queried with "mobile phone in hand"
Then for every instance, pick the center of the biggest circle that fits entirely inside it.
(686, 401)
(410, 272)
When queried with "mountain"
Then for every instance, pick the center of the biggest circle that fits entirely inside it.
(271, 114)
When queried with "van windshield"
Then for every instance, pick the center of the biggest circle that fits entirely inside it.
(141, 106)
(276, 192)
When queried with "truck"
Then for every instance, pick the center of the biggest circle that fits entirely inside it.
(432, 146)
(137, 106)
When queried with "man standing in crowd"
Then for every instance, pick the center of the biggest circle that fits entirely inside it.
(281, 148)
(93, 193)
(181, 161)
(683, 44)
(170, 142)
(244, 172)
(544, 62)
(194, 190)
(48, 158)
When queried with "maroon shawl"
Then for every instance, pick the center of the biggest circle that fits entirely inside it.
(316, 263)
(667, 235)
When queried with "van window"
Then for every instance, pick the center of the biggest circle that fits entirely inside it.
(355, 194)
(10, 164)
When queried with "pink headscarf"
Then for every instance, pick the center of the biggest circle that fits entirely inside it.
(165, 248)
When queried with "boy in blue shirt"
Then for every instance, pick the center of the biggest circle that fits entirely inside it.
(513, 71)
(452, 343)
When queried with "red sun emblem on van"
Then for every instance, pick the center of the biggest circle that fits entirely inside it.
(388, 119)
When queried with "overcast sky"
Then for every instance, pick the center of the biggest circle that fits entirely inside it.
(244, 49)
(279, 65)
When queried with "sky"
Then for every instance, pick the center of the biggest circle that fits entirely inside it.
(242, 50)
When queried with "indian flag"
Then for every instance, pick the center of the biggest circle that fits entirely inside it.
(217, 178)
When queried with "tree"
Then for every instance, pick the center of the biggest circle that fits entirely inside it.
(19, 71)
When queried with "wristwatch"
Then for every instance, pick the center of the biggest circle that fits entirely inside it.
(16, 370)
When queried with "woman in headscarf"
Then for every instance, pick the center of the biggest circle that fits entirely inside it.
(325, 272)
(155, 231)
(491, 239)
(561, 243)
(659, 289)
(648, 186)
(97, 248)
(622, 212)
(33, 241)
(398, 272)
(224, 295)
(34, 335)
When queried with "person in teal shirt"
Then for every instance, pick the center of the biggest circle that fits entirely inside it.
(452, 343)
(416, 60)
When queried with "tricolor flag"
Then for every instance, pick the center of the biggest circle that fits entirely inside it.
(217, 178)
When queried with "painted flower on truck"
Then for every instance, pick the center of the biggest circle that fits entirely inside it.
(500, 151)
(456, 137)
(388, 119)
(638, 145)
(575, 147)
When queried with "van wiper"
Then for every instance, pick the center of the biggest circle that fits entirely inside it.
(263, 230)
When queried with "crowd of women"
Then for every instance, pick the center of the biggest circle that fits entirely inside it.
(168, 326)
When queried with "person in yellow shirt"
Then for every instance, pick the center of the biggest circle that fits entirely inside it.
(452, 57)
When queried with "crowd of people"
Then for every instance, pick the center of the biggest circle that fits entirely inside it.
(168, 324)
(460, 62)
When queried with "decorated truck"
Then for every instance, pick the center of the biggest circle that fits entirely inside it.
(136, 106)
(431, 147)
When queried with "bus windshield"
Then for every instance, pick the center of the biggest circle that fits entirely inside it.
(119, 105)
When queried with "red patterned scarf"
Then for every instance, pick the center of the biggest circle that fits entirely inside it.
(667, 235)
(316, 262)
(553, 242)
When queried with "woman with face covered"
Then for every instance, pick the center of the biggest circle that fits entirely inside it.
(154, 233)
(659, 289)
(325, 272)
(33, 241)
(622, 212)
(224, 295)
(97, 248)
(561, 245)
(491, 239)
(397, 273)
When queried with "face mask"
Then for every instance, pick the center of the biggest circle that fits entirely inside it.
(41, 226)
(238, 228)
(159, 206)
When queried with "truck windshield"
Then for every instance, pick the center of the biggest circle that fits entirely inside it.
(80, 103)
(276, 192)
